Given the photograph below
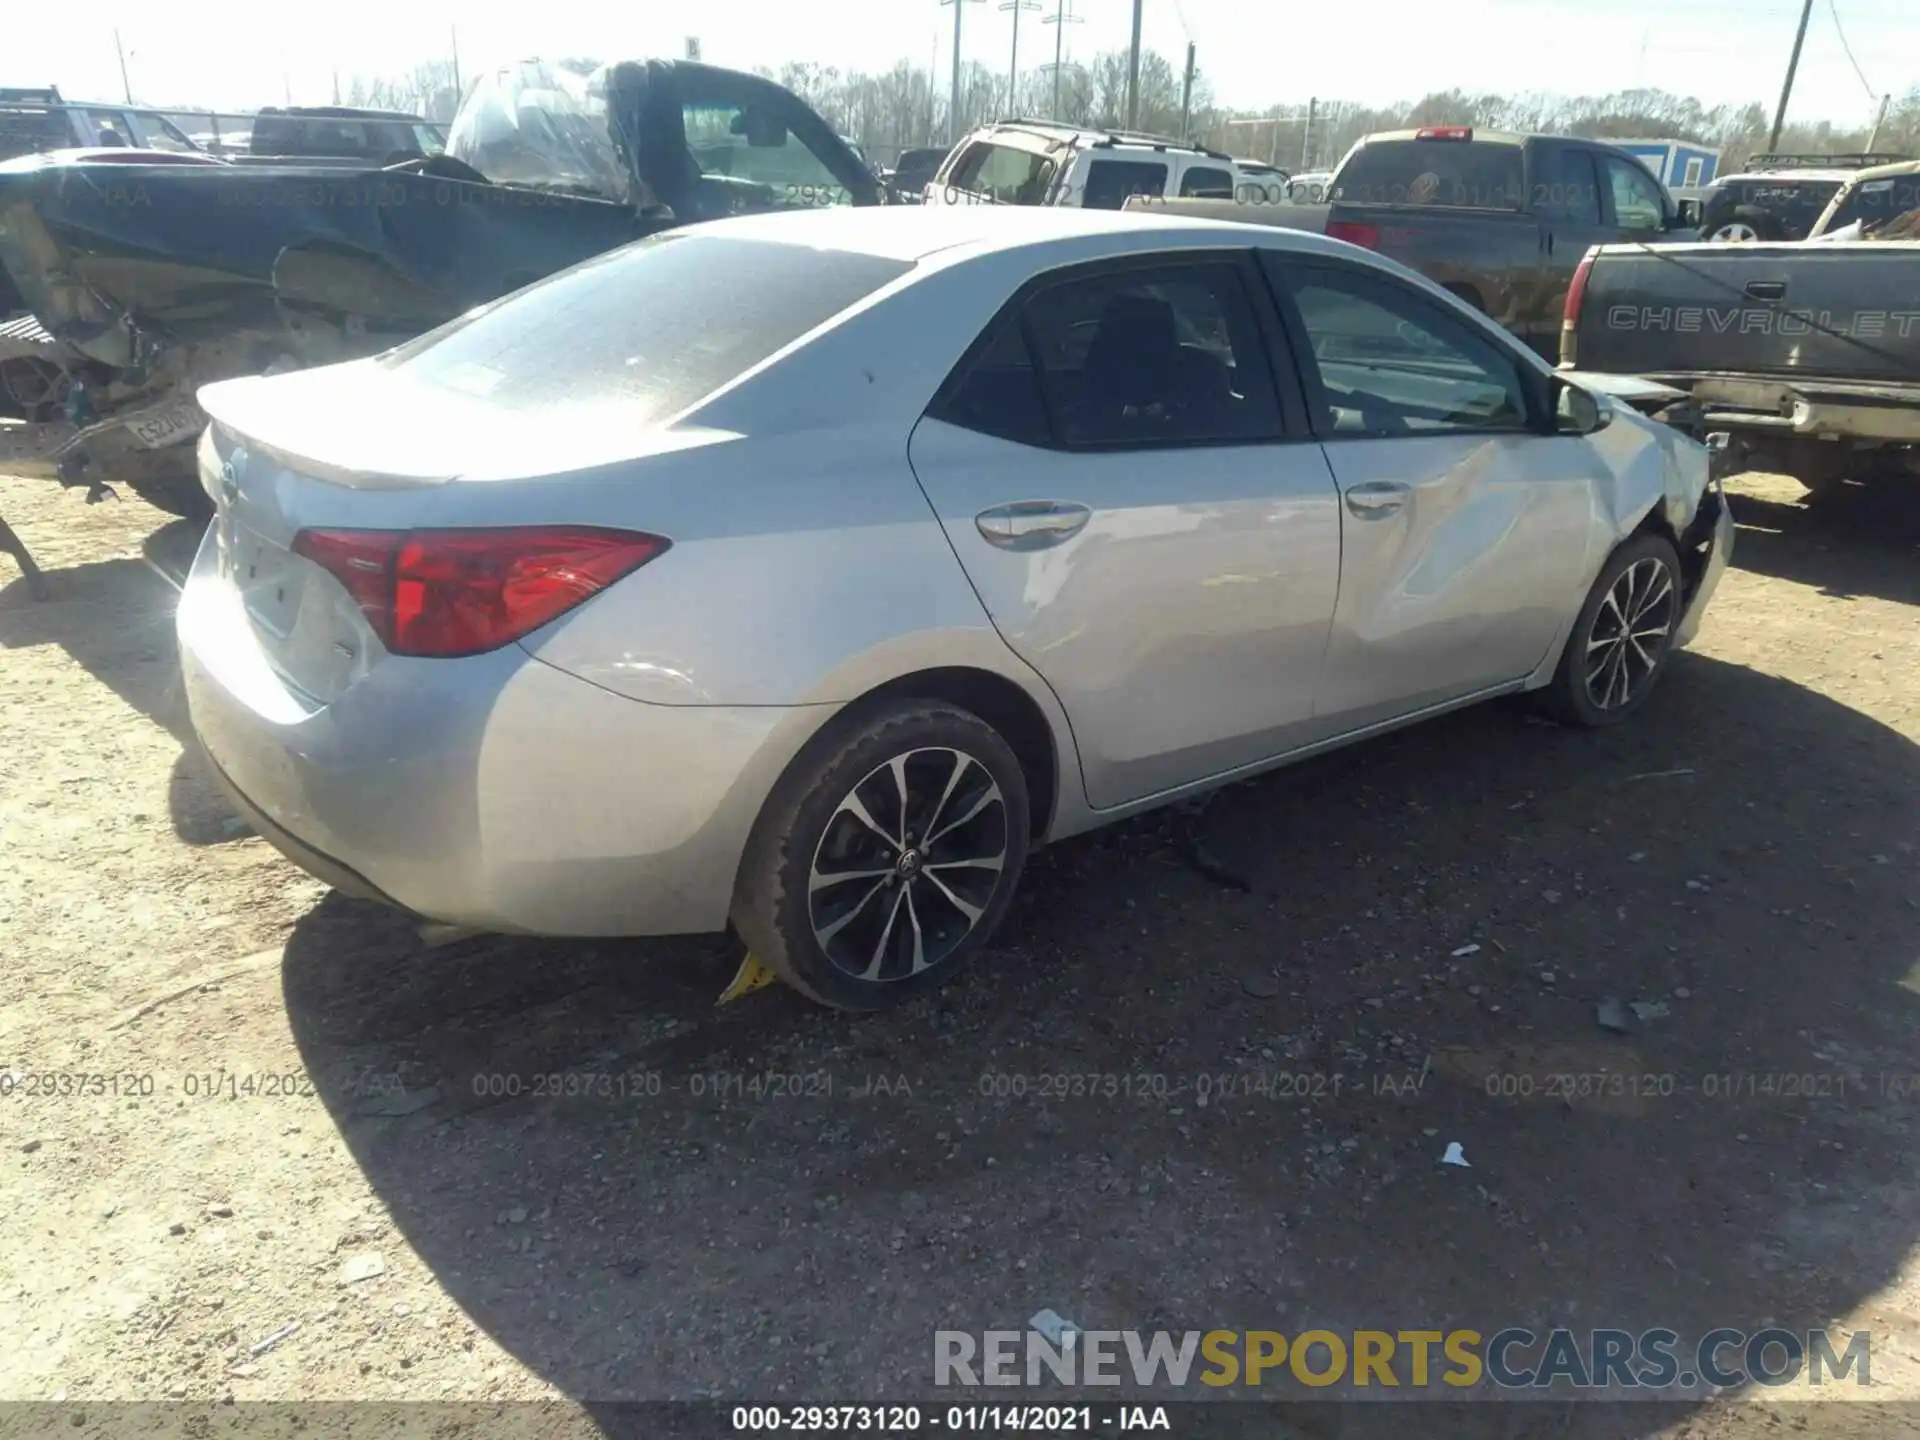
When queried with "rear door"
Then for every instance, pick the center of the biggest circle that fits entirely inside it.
(1465, 522)
(1564, 187)
(1144, 523)
(1110, 181)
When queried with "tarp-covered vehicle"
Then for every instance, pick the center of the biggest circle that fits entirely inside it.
(140, 283)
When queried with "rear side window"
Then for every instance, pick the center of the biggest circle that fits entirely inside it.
(648, 330)
(1154, 356)
(1206, 182)
(1462, 173)
(1110, 182)
(1000, 393)
(1002, 173)
(1564, 186)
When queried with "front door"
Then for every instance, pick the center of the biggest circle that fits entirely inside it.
(1464, 521)
(1115, 475)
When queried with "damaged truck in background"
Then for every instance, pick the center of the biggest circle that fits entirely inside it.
(126, 285)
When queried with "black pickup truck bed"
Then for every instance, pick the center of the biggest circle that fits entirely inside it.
(1805, 355)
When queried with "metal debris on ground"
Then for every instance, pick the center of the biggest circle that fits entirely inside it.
(1662, 774)
(1059, 1331)
(1612, 1015)
(751, 976)
(260, 1347)
(362, 1267)
(1455, 1156)
(1645, 1010)
(1465, 950)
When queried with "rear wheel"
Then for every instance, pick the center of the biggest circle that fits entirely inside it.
(889, 857)
(1620, 642)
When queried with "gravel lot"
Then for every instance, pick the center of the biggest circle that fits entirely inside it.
(1364, 948)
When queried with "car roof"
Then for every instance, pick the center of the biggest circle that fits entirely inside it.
(1882, 172)
(1819, 177)
(917, 233)
(1056, 133)
(1491, 137)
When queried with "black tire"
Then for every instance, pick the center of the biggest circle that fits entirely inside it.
(781, 912)
(176, 494)
(1570, 696)
(1764, 224)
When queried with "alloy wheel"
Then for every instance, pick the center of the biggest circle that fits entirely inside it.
(908, 864)
(1628, 637)
(1736, 230)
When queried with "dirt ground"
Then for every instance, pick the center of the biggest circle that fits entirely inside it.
(316, 1179)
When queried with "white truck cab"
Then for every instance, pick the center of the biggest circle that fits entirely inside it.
(1038, 162)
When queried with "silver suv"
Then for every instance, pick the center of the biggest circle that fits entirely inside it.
(1038, 162)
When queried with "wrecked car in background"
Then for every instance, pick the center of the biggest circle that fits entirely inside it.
(140, 283)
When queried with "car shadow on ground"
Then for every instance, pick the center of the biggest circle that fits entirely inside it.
(1252, 1083)
(1855, 540)
(115, 618)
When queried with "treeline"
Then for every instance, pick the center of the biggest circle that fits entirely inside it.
(892, 110)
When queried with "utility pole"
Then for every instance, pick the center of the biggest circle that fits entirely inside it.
(1186, 96)
(1133, 70)
(1879, 121)
(125, 85)
(1013, 64)
(953, 104)
(453, 37)
(1799, 39)
(1306, 141)
(1061, 18)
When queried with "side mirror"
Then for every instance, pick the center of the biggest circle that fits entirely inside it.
(1578, 411)
(1686, 216)
(762, 131)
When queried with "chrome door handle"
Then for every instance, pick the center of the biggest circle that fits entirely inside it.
(1031, 524)
(1376, 499)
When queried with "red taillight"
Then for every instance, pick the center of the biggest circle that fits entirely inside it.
(459, 592)
(1444, 132)
(1577, 291)
(1367, 237)
(1570, 319)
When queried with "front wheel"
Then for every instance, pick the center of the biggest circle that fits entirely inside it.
(1621, 639)
(884, 861)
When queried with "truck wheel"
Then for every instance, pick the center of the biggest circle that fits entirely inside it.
(1747, 223)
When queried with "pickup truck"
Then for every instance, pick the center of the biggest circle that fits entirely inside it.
(1499, 219)
(1797, 357)
(144, 281)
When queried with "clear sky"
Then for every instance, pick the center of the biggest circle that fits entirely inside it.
(234, 53)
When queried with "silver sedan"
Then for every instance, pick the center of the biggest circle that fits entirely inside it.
(804, 572)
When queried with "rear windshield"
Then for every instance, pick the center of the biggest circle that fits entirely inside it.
(649, 330)
(1433, 172)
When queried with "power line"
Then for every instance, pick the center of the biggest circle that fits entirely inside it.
(1834, 7)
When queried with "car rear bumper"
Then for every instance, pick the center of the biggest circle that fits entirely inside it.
(496, 791)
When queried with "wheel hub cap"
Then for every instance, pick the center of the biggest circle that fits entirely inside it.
(1628, 638)
(908, 865)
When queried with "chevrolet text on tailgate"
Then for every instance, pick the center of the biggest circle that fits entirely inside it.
(1804, 356)
(1500, 220)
